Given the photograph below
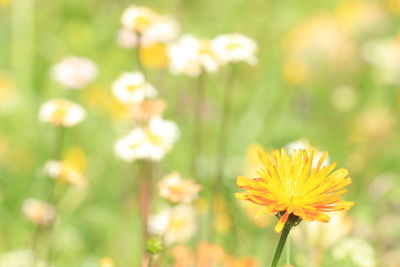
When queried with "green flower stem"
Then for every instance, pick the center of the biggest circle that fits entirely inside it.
(198, 126)
(282, 240)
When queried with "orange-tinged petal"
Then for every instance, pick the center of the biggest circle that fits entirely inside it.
(279, 226)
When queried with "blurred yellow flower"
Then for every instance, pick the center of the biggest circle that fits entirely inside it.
(319, 41)
(178, 190)
(222, 221)
(106, 262)
(154, 55)
(38, 212)
(5, 2)
(292, 185)
(61, 112)
(295, 71)
(358, 16)
(393, 6)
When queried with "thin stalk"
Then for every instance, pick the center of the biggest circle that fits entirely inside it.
(222, 142)
(57, 152)
(282, 240)
(145, 194)
(198, 126)
(224, 127)
(139, 62)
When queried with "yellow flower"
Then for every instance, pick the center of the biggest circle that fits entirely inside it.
(292, 185)
(154, 55)
(106, 262)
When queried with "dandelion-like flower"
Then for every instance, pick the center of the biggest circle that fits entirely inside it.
(38, 212)
(178, 190)
(64, 172)
(293, 186)
(150, 142)
(74, 72)
(131, 87)
(138, 18)
(191, 56)
(61, 112)
(233, 48)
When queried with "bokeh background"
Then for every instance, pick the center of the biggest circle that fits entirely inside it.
(328, 74)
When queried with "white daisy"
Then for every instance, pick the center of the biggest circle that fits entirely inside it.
(131, 87)
(61, 112)
(235, 48)
(74, 72)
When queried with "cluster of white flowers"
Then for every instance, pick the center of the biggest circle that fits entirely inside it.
(147, 25)
(74, 72)
(191, 56)
(152, 141)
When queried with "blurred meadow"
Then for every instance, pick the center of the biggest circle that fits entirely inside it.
(318, 74)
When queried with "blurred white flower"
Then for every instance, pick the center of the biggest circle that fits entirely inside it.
(164, 30)
(21, 258)
(235, 48)
(191, 56)
(127, 38)
(384, 56)
(359, 251)
(138, 18)
(161, 29)
(176, 189)
(65, 172)
(61, 112)
(131, 87)
(150, 142)
(177, 224)
(304, 144)
(74, 72)
(38, 212)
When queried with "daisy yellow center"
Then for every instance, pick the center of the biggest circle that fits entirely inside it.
(143, 22)
(299, 185)
(154, 139)
(132, 87)
(61, 111)
(233, 46)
